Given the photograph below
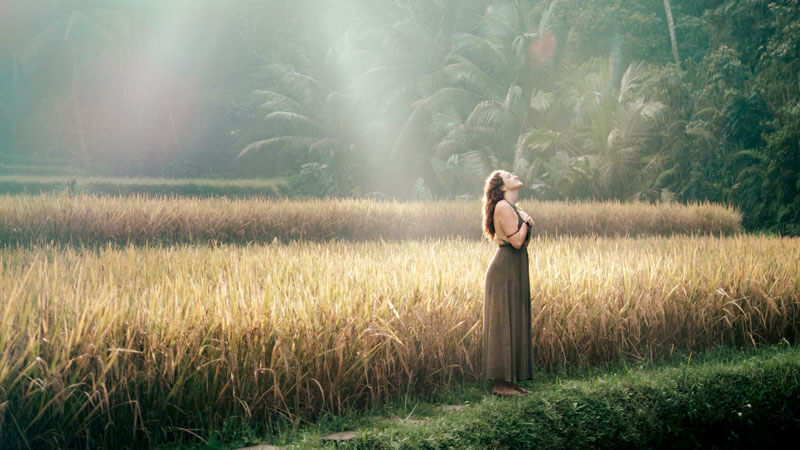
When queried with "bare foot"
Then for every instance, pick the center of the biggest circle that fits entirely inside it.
(506, 391)
(503, 388)
(520, 389)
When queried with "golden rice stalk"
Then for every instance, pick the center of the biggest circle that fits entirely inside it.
(89, 220)
(185, 336)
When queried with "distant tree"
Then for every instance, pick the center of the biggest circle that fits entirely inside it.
(685, 138)
(299, 120)
(744, 26)
(63, 55)
(601, 146)
(776, 85)
(780, 202)
(482, 105)
(415, 40)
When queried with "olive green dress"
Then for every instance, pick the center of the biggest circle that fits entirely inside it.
(507, 347)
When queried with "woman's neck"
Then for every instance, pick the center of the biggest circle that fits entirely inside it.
(511, 196)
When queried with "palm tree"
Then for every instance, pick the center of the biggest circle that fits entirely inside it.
(600, 147)
(76, 43)
(482, 104)
(352, 90)
(684, 138)
(416, 42)
(300, 120)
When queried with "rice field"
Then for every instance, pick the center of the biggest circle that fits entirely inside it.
(108, 344)
(91, 220)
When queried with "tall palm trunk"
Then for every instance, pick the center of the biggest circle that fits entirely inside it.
(672, 38)
(83, 157)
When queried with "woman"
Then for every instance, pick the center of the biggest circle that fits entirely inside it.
(507, 349)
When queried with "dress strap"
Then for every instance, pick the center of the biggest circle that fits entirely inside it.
(517, 211)
(505, 243)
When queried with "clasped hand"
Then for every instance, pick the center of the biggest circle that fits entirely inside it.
(525, 217)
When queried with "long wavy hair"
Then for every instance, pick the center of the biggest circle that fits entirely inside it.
(492, 193)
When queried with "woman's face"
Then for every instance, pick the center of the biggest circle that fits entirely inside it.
(510, 181)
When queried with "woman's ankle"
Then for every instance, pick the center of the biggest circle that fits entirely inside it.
(501, 383)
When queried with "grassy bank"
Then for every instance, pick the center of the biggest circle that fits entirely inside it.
(89, 220)
(722, 399)
(185, 337)
(27, 169)
(149, 187)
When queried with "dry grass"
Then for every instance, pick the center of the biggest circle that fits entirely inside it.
(114, 343)
(89, 220)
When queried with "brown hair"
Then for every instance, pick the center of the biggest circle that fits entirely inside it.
(492, 193)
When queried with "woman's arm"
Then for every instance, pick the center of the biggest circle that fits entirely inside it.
(526, 218)
(506, 219)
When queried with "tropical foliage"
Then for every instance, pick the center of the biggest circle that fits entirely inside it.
(606, 99)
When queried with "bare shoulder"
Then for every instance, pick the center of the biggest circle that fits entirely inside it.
(503, 209)
(502, 206)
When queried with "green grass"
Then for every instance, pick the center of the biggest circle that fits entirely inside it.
(28, 169)
(722, 398)
(151, 187)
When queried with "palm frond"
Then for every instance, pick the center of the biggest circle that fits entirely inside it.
(638, 111)
(704, 114)
(38, 48)
(651, 109)
(444, 121)
(631, 79)
(270, 101)
(446, 147)
(665, 177)
(541, 101)
(337, 102)
(378, 78)
(461, 100)
(475, 78)
(546, 139)
(752, 154)
(289, 123)
(544, 22)
(700, 132)
(513, 97)
(480, 162)
(481, 51)
(613, 137)
(301, 87)
(277, 144)
(502, 22)
(93, 31)
(400, 97)
(409, 135)
(489, 114)
(325, 147)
